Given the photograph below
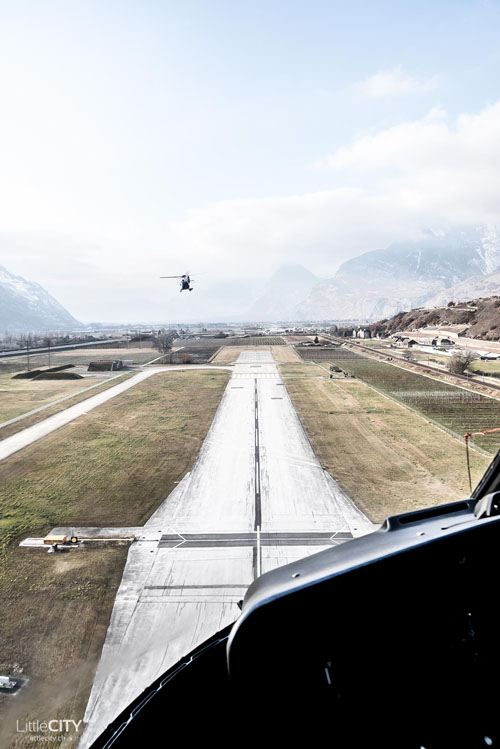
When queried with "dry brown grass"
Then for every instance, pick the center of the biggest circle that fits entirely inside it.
(386, 458)
(229, 354)
(284, 354)
(19, 396)
(304, 369)
(28, 421)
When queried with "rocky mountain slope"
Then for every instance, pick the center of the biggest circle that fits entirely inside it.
(382, 282)
(472, 288)
(481, 316)
(26, 306)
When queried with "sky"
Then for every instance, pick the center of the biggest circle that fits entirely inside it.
(227, 138)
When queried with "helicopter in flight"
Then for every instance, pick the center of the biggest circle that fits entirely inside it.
(185, 281)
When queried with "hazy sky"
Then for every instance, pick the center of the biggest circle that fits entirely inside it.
(144, 138)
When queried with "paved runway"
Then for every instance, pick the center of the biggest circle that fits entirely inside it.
(257, 498)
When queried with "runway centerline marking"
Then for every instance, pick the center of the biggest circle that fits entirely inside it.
(258, 505)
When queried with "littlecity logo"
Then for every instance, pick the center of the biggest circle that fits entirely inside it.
(44, 730)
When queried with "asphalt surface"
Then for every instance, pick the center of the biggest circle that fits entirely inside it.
(257, 498)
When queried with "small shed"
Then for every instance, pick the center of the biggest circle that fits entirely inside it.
(105, 365)
(54, 538)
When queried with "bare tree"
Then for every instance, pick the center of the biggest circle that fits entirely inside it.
(460, 362)
(164, 341)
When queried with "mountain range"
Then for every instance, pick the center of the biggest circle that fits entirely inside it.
(405, 275)
(25, 306)
(439, 267)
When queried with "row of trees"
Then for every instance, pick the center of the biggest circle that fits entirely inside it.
(38, 340)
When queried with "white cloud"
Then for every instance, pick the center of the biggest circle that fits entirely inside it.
(430, 172)
(393, 83)
(449, 171)
(411, 176)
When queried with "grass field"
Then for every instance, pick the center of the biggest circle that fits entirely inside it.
(138, 355)
(324, 354)
(386, 458)
(19, 396)
(284, 354)
(50, 410)
(424, 357)
(455, 408)
(113, 466)
(55, 613)
(488, 367)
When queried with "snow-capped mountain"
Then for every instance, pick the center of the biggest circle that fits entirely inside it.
(27, 306)
(405, 275)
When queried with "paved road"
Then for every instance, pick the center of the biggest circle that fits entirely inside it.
(256, 476)
(27, 436)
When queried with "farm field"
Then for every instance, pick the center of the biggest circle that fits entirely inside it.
(457, 409)
(113, 466)
(199, 342)
(323, 353)
(231, 341)
(265, 340)
(298, 338)
(386, 458)
(138, 354)
(190, 354)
